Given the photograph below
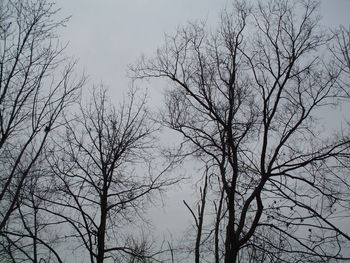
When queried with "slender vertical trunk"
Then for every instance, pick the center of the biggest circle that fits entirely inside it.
(198, 239)
(197, 248)
(217, 227)
(201, 210)
(35, 250)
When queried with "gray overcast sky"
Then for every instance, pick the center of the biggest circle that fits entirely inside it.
(108, 35)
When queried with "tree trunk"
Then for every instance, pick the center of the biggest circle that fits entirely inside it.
(231, 244)
(231, 256)
(217, 227)
(102, 229)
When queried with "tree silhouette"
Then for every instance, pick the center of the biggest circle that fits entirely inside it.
(101, 187)
(248, 99)
(36, 85)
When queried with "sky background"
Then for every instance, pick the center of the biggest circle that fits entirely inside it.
(107, 36)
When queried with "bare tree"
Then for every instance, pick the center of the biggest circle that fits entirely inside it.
(248, 100)
(198, 217)
(340, 51)
(106, 176)
(36, 85)
(32, 234)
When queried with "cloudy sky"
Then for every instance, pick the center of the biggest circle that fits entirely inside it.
(108, 35)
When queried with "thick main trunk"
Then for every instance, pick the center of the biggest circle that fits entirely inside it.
(231, 250)
(101, 241)
(231, 256)
(231, 242)
(102, 230)
(231, 246)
